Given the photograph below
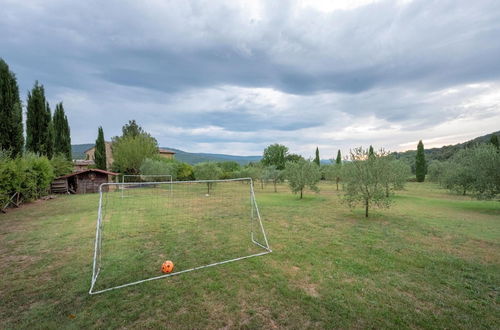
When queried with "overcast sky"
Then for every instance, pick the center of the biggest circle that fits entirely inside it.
(235, 76)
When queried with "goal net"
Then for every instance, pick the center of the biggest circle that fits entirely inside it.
(195, 224)
(132, 178)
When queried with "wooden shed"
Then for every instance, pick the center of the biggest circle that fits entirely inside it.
(87, 181)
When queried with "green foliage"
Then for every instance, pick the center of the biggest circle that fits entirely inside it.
(272, 174)
(494, 141)
(131, 149)
(229, 169)
(366, 179)
(338, 161)
(397, 174)
(11, 119)
(185, 172)
(302, 174)
(62, 136)
(38, 118)
(420, 163)
(207, 171)
(294, 158)
(474, 170)
(436, 171)
(29, 175)
(61, 165)
(316, 158)
(159, 166)
(132, 129)
(333, 172)
(275, 154)
(100, 150)
(370, 152)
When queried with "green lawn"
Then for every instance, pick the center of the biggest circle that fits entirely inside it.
(430, 261)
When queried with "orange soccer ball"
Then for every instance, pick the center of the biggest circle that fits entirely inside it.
(167, 267)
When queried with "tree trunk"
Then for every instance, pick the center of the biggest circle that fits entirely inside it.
(275, 190)
(208, 188)
(387, 191)
(464, 191)
(261, 184)
(337, 183)
(300, 193)
(366, 209)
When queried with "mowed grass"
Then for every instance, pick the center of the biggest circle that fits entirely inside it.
(431, 260)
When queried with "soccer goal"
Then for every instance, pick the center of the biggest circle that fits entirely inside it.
(194, 224)
(132, 178)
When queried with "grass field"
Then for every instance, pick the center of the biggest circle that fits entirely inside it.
(431, 260)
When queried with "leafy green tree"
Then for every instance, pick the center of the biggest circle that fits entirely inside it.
(159, 166)
(100, 150)
(397, 173)
(294, 158)
(302, 174)
(61, 165)
(370, 152)
(275, 154)
(366, 179)
(229, 169)
(185, 171)
(420, 163)
(62, 137)
(51, 136)
(316, 158)
(333, 172)
(494, 141)
(459, 176)
(271, 173)
(436, 171)
(38, 118)
(132, 129)
(207, 171)
(11, 119)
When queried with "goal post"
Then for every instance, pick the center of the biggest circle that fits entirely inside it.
(193, 229)
(137, 178)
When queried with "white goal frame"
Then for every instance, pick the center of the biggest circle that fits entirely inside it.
(254, 214)
(122, 188)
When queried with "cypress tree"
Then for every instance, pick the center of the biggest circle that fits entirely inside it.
(316, 159)
(370, 152)
(100, 150)
(420, 164)
(494, 141)
(49, 143)
(38, 118)
(62, 138)
(11, 118)
(338, 161)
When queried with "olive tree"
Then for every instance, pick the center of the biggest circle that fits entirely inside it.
(271, 173)
(302, 174)
(366, 179)
(207, 171)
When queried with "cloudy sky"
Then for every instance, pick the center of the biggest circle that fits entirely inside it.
(235, 76)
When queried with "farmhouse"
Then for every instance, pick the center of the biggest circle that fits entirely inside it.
(109, 154)
(87, 181)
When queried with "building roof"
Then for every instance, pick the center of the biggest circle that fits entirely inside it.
(165, 151)
(105, 142)
(88, 170)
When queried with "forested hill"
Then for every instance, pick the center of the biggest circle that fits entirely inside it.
(183, 156)
(444, 152)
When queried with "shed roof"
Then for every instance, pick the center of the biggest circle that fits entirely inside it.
(87, 170)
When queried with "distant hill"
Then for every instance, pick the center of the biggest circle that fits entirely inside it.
(78, 149)
(183, 156)
(444, 152)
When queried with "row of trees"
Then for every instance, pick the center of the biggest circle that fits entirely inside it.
(45, 135)
(473, 170)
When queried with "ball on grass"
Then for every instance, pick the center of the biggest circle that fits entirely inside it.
(167, 267)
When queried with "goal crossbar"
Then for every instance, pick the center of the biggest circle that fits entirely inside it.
(98, 238)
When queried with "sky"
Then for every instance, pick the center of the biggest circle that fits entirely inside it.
(236, 76)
